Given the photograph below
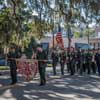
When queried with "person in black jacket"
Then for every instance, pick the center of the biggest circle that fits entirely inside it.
(97, 58)
(12, 55)
(54, 57)
(41, 57)
(62, 61)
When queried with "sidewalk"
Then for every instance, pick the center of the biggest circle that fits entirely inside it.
(76, 87)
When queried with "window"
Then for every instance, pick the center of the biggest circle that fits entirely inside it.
(94, 45)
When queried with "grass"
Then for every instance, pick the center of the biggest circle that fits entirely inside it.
(49, 65)
(4, 67)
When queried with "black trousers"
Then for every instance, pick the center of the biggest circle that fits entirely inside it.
(68, 67)
(62, 68)
(93, 67)
(98, 65)
(42, 68)
(13, 72)
(84, 67)
(72, 67)
(81, 68)
(78, 66)
(54, 67)
(88, 67)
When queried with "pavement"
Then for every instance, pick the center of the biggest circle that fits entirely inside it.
(86, 87)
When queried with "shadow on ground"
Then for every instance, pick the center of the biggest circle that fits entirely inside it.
(65, 88)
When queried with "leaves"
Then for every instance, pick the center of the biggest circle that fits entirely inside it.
(17, 19)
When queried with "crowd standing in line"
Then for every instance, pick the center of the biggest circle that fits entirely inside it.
(77, 61)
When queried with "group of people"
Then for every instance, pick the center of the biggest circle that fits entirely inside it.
(77, 61)
(40, 55)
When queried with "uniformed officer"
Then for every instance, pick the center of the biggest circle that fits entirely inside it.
(68, 61)
(12, 55)
(54, 57)
(93, 65)
(82, 61)
(41, 57)
(62, 56)
(97, 58)
(71, 62)
(88, 61)
(78, 60)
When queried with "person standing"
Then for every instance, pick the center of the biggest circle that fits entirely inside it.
(12, 55)
(41, 57)
(82, 62)
(93, 65)
(73, 61)
(62, 61)
(88, 62)
(97, 59)
(78, 60)
(54, 57)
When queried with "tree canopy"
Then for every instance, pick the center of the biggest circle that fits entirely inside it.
(22, 19)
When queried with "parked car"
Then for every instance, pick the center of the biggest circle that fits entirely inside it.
(2, 62)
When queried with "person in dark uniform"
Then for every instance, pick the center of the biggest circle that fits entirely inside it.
(68, 61)
(12, 55)
(78, 60)
(71, 63)
(41, 57)
(54, 57)
(88, 62)
(62, 56)
(93, 64)
(97, 59)
(82, 62)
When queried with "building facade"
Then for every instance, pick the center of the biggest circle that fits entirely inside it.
(95, 42)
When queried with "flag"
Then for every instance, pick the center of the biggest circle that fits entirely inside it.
(59, 40)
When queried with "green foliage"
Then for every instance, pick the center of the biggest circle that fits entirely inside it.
(31, 46)
(91, 32)
(18, 25)
(7, 25)
(4, 67)
(77, 34)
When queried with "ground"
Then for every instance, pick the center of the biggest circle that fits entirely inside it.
(86, 87)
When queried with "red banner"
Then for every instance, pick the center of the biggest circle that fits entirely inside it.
(28, 69)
